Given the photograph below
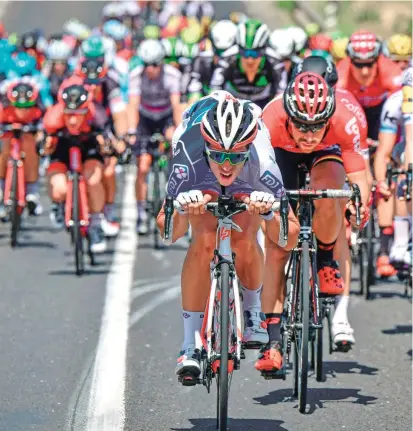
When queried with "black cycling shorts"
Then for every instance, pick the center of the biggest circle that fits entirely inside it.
(148, 127)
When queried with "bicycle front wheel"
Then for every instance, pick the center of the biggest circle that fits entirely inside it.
(223, 379)
(15, 213)
(302, 345)
(76, 231)
(157, 203)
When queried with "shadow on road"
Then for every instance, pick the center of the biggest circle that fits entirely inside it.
(398, 329)
(88, 271)
(149, 246)
(342, 367)
(317, 398)
(409, 352)
(236, 425)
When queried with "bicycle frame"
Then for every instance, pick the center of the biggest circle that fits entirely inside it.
(15, 158)
(75, 158)
(223, 253)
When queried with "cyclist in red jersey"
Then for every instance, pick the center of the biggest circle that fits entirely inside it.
(308, 126)
(371, 78)
(341, 329)
(20, 103)
(76, 114)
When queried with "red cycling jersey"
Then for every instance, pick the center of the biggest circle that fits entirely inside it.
(345, 129)
(26, 116)
(388, 80)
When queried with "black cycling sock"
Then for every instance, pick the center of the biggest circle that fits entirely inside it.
(324, 252)
(273, 321)
(386, 235)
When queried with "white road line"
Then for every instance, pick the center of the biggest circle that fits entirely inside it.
(154, 287)
(166, 296)
(106, 410)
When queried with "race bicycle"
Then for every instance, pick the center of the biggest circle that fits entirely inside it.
(304, 321)
(221, 328)
(15, 183)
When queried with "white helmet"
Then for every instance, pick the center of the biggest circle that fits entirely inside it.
(223, 34)
(230, 124)
(58, 50)
(299, 37)
(113, 10)
(151, 51)
(282, 43)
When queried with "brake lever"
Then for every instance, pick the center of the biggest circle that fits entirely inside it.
(356, 199)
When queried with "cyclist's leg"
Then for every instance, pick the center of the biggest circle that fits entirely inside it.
(385, 215)
(109, 223)
(327, 171)
(5, 152)
(57, 191)
(143, 163)
(31, 172)
(250, 270)
(195, 285)
(93, 174)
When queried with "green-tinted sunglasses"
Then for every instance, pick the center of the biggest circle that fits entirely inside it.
(220, 156)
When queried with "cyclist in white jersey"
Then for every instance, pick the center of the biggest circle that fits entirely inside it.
(154, 107)
(392, 144)
(222, 147)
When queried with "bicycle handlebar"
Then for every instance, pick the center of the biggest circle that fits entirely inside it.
(23, 128)
(226, 206)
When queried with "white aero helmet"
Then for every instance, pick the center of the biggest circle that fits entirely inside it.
(151, 51)
(58, 50)
(113, 10)
(223, 34)
(252, 34)
(229, 124)
(299, 37)
(282, 43)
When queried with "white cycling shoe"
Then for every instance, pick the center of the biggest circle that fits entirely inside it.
(188, 367)
(343, 337)
(397, 254)
(255, 331)
(110, 229)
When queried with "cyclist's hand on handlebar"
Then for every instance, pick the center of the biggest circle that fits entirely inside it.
(351, 215)
(384, 189)
(119, 145)
(193, 202)
(259, 202)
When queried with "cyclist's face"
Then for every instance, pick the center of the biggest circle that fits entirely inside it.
(59, 68)
(226, 173)
(306, 141)
(403, 64)
(21, 113)
(366, 74)
(74, 122)
(250, 64)
(153, 72)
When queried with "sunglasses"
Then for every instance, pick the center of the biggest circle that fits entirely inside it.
(360, 65)
(220, 156)
(302, 127)
(250, 53)
(153, 64)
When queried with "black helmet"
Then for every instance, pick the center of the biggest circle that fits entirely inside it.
(75, 98)
(321, 66)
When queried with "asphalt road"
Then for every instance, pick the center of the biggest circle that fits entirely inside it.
(63, 338)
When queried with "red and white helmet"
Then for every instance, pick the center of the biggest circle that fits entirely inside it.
(363, 45)
(309, 99)
(230, 123)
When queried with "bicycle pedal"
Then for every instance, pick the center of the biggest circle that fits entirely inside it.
(274, 375)
(343, 347)
(188, 379)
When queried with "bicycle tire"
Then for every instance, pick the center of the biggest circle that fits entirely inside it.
(318, 346)
(15, 214)
(296, 269)
(156, 203)
(305, 321)
(361, 261)
(371, 271)
(76, 231)
(223, 380)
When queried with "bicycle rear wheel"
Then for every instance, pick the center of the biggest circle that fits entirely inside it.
(15, 213)
(76, 231)
(156, 203)
(222, 376)
(302, 341)
(370, 251)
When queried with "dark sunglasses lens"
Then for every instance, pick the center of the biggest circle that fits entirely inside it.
(359, 65)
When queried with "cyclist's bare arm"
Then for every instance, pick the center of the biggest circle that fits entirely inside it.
(176, 108)
(360, 178)
(133, 112)
(383, 155)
